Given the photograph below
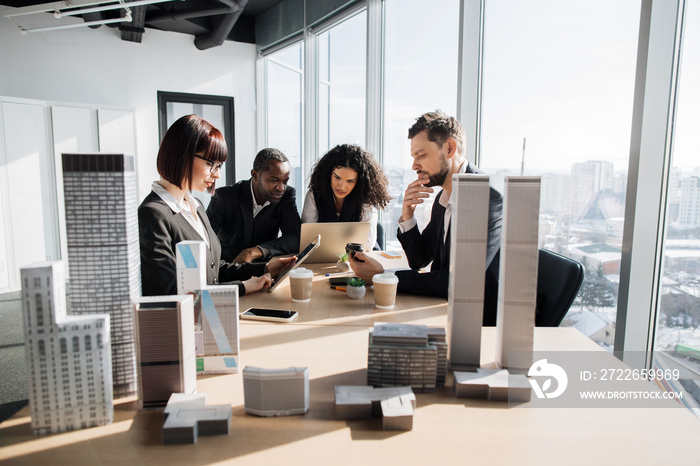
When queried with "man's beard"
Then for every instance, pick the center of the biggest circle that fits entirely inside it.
(438, 179)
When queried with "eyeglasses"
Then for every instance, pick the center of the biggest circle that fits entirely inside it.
(213, 166)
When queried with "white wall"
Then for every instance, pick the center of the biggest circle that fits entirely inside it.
(90, 66)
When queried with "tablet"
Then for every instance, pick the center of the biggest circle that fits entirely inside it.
(301, 257)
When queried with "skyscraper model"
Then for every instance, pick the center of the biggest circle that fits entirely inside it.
(215, 311)
(465, 309)
(517, 289)
(103, 250)
(68, 357)
(164, 328)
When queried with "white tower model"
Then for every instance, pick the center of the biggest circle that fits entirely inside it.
(164, 328)
(465, 311)
(68, 357)
(103, 250)
(517, 290)
(215, 309)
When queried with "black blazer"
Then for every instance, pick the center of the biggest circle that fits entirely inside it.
(160, 229)
(231, 214)
(422, 248)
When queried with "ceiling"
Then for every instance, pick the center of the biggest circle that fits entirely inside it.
(210, 21)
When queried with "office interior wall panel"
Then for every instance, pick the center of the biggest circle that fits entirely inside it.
(31, 213)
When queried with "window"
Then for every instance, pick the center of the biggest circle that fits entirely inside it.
(285, 93)
(420, 76)
(678, 318)
(558, 100)
(341, 76)
(88, 343)
(76, 345)
(39, 310)
(64, 346)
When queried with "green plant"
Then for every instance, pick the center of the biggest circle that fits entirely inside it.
(343, 257)
(356, 282)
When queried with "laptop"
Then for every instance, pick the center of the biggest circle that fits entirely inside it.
(335, 236)
(301, 257)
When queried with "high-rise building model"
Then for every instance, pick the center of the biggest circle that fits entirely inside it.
(68, 357)
(494, 384)
(517, 282)
(407, 355)
(215, 309)
(276, 392)
(103, 250)
(164, 330)
(465, 309)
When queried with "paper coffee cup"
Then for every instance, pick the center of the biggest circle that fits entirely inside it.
(300, 282)
(385, 285)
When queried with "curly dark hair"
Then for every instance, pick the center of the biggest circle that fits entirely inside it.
(371, 186)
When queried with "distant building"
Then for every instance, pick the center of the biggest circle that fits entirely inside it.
(103, 250)
(68, 357)
(588, 179)
(556, 194)
(598, 255)
(689, 210)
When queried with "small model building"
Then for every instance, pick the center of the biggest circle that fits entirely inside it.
(395, 404)
(276, 392)
(403, 354)
(102, 235)
(165, 348)
(69, 365)
(215, 308)
(494, 384)
(465, 308)
(517, 290)
(187, 416)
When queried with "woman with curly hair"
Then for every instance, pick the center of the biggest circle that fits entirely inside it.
(347, 185)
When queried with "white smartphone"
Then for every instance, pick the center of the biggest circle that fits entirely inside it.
(271, 315)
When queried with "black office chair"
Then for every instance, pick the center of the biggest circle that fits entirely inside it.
(558, 281)
(380, 237)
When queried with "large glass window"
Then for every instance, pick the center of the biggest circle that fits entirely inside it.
(557, 102)
(678, 322)
(285, 94)
(420, 75)
(342, 70)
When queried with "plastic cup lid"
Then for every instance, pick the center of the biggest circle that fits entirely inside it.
(301, 272)
(386, 278)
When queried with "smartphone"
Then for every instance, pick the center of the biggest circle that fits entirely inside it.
(340, 281)
(271, 315)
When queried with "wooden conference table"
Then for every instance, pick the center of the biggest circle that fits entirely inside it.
(330, 338)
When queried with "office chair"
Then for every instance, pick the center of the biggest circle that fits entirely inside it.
(380, 237)
(558, 281)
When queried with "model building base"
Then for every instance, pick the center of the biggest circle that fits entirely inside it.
(494, 384)
(395, 404)
(188, 416)
(276, 392)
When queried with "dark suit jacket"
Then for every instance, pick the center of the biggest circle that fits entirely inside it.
(231, 214)
(160, 229)
(422, 248)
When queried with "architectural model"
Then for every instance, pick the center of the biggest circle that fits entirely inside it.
(68, 358)
(164, 328)
(103, 250)
(494, 384)
(403, 354)
(276, 392)
(517, 290)
(215, 309)
(188, 416)
(395, 404)
(465, 311)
